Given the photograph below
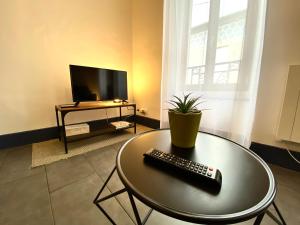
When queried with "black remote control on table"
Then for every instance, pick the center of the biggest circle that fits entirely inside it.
(210, 174)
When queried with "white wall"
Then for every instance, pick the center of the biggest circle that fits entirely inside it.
(281, 49)
(147, 20)
(39, 39)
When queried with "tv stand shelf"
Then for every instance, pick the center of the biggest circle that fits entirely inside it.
(64, 110)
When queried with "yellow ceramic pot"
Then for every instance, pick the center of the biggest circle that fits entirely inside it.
(184, 128)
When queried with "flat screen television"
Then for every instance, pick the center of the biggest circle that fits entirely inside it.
(97, 84)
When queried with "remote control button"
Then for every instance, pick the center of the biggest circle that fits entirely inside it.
(210, 169)
(209, 174)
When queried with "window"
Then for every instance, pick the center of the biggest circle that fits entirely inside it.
(215, 44)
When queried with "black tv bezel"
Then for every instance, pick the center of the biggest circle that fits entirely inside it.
(77, 102)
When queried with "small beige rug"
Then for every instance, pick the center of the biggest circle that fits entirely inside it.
(53, 150)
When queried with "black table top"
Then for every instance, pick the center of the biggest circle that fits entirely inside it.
(248, 186)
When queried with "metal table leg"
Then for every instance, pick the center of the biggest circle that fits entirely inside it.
(271, 215)
(97, 201)
(279, 214)
(105, 183)
(136, 213)
(259, 219)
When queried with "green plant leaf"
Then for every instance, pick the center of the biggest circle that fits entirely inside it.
(187, 104)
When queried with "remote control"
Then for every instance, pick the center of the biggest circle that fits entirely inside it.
(210, 174)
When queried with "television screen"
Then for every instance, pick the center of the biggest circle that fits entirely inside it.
(96, 84)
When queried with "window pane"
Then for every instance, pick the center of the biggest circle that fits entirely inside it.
(228, 7)
(229, 45)
(200, 12)
(230, 40)
(196, 58)
(188, 79)
(197, 49)
(233, 76)
(220, 77)
(195, 75)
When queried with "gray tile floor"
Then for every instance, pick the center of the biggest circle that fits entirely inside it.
(62, 193)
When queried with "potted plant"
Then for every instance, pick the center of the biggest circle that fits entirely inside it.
(184, 120)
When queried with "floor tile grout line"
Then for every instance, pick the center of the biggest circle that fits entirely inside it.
(110, 190)
(115, 197)
(49, 194)
(21, 178)
(73, 182)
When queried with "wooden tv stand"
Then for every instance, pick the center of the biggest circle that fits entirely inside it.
(64, 110)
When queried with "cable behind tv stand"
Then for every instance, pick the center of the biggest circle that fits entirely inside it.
(69, 108)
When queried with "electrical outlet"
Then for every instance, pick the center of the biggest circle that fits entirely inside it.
(142, 110)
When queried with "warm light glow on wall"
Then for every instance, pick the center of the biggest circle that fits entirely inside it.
(147, 19)
(40, 39)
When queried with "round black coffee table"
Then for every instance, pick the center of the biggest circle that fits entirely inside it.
(248, 186)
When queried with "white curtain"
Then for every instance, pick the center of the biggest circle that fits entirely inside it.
(213, 49)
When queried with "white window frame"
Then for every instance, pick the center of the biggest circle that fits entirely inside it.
(212, 34)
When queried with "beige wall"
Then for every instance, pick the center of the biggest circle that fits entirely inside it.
(39, 39)
(281, 49)
(147, 30)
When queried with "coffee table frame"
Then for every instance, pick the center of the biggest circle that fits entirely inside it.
(259, 215)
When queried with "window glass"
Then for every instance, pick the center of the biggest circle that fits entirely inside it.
(200, 12)
(197, 49)
(196, 58)
(228, 7)
(226, 37)
(230, 41)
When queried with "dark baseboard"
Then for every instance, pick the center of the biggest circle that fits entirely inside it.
(276, 155)
(270, 154)
(27, 137)
(148, 122)
(45, 134)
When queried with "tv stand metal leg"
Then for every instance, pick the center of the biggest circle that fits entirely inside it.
(134, 117)
(64, 133)
(57, 122)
